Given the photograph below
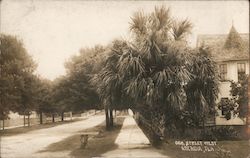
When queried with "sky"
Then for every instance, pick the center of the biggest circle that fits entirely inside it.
(54, 30)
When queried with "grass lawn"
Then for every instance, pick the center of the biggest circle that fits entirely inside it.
(238, 149)
(97, 145)
(20, 130)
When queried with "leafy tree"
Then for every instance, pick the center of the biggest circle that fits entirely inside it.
(80, 69)
(60, 95)
(44, 100)
(16, 71)
(27, 93)
(73, 92)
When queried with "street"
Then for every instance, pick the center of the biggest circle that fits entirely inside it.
(130, 141)
(28, 144)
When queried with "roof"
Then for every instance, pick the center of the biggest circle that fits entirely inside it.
(233, 40)
(226, 47)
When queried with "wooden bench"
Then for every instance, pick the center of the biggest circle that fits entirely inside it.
(84, 138)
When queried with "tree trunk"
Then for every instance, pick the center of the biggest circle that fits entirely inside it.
(24, 120)
(28, 119)
(107, 118)
(62, 116)
(53, 118)
(3, 124)
(111, 117)
(41, 118)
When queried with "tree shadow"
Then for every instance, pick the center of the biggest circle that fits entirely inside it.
(97, 145)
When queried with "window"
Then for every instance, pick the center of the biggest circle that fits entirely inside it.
(223, 71)
(241, 67)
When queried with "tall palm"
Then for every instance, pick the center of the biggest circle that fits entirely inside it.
(167, 75)
(108, 82)
(155, 70)
(162, 70)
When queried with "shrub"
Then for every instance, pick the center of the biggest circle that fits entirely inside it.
(209, 134)
(222, 153)
(226, 133)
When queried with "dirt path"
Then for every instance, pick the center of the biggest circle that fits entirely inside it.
(132, 142)
(28, 144)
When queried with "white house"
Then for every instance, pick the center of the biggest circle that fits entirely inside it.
(231, 53)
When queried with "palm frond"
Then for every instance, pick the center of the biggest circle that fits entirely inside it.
(131, 64)
(161, 18)
(138, 24)
(181, 28)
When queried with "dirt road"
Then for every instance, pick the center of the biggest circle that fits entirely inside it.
(28, 144)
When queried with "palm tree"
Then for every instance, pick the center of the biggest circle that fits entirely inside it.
(154, 72)
(108, 82)
(165, 74)
(158, 47)
(202, 90)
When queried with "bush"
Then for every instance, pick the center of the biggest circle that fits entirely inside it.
(221, 133)
(226, 133)
(208, 134)
(222, 153)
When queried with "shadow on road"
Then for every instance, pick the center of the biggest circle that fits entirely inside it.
(97, 145)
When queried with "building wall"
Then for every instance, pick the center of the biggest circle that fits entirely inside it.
(224, 91)
(232, 72)
(232, 75)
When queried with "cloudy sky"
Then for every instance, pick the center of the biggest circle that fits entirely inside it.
(54, 30)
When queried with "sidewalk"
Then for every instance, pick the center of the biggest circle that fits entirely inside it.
(132, 142)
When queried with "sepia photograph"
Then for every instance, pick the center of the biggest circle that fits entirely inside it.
(124, 79)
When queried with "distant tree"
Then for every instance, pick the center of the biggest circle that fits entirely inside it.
(43, 98)
(28, 96)
(80, 69)
(60, 95)
(17, 68)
